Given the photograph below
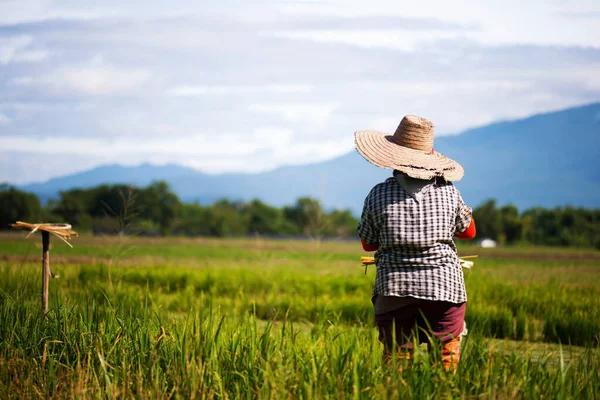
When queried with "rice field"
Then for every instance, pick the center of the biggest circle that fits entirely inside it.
(254, 318)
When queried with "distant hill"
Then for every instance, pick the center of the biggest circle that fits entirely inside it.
(546, 160)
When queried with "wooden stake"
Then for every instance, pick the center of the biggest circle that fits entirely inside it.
(61, 231)
(45, 269)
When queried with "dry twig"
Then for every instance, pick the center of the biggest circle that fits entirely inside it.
(62, 231)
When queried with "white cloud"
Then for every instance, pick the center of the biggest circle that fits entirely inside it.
(223, 144)
(99, 80)
(292, 153)
(23, 167)
(465, 87)
(12, 48)
(502, 22)
(208, 152)
(227, 89)
(405, 40)
(21, 81)
(311, 113)
(4, 120)
(31, 56)
(314, 151)
(95, 77)
(275, 136)
(508, 21)
(382, 124)
(194, 90)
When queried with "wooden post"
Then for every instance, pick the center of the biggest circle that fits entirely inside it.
(45, 269)
(61, 231)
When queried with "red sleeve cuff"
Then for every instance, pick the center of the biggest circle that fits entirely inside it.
(470, 232)
(368, 247)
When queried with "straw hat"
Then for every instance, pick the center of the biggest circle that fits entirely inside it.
(408, 150)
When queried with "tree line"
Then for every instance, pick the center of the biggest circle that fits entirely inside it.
(560, 226)
(109, 209)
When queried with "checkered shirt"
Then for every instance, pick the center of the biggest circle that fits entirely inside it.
(416, 256)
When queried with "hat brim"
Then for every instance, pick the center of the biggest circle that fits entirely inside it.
(379, 149)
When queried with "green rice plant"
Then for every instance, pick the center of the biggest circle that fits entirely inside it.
(521, 325)
(532, 334)
(281, 320)
(133, 350)
(576, 329)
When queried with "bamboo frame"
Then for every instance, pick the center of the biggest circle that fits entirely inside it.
(63, 232)
(366, 261)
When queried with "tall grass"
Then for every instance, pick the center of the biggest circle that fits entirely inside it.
(272, 321)
(135, 350)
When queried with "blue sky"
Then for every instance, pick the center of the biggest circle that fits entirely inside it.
(251, 85)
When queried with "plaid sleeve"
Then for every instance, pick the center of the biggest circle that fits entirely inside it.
(366, 228)
(463, 216)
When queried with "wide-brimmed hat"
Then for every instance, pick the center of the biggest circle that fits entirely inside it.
(408, 150)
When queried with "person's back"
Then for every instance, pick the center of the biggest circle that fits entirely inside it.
(411, 219)
(415, 240)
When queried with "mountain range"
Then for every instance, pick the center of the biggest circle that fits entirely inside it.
(546, 160)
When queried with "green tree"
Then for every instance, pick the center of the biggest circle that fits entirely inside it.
(545, 226)
(158, 204)
(114, 206)
(71, 209)
(487, 219)
(309, 216)
(16, 205)
(194, 220)
(341, 223)
(511, 226)
(228, 219)
(262, 218)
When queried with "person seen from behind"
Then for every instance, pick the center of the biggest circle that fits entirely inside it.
(410, 220)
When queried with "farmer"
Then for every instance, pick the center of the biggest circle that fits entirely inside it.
(410, 220)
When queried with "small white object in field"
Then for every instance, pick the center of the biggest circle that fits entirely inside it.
(465, 331)
(487, 243)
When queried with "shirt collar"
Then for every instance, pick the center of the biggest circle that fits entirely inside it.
(416, 188)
